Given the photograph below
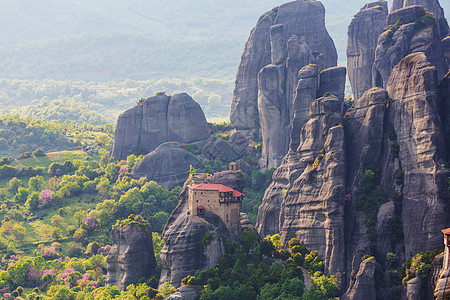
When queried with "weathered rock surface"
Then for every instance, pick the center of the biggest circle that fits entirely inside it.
(185, 293)
(183, 252)
(314, 204)
(168, 165)
(273, 115)
(417, 34)
(220, 149)
(131, 256)
(436, 268)
(432, 6)
(157, 120)
(363, 33)
(365, 135)
(290, 37)
(270, 213)
(442, 290)
(446, 48)
(414, 114)
(383, 229)
(239, 142)
(414, 289)
(362, 285)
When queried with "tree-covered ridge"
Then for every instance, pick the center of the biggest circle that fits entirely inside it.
(100, 103)
(24, 134)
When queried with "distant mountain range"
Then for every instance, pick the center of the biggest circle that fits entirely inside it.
(138, 39)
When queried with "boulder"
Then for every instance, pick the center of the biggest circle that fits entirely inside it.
(183, 252)
(363, 33)
(239, 142)
(168, 165)
(131, 256)
(363, 285)
(157, 120)
(221, 149)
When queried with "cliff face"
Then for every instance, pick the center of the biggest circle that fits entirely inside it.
(131, 256)
(363, 33)
(184, 252)
(432, 6)
(284, 40)
(414, 114)
(168, 165)
(409, 30)
(157, 120)
(401, 133)
(271, 211)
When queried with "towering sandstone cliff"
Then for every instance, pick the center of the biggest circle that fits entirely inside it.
(284, 40)
(400, 133)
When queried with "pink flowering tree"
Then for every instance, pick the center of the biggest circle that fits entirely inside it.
(46, 196)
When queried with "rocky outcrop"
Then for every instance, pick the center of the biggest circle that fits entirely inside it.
(413, 88)
(432, 6)
(185, 293)
(184, 251)
(157, 120)
(409, 30)
(284, 40)
(270, 213)
(220, 149)
(442, 290)
(168, 165)
(363, 33)
(414, 289)
(314, 204)
(436, 268)
(362, 285)
(446, 48)
(365, 135)
(131, 256)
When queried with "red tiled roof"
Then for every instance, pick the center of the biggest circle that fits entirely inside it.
(200, 207)
(446, 231)
(215, 187)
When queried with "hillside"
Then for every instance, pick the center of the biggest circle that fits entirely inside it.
(113, 40)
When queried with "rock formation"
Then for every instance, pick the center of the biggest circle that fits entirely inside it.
(362, 285)
(157, 120)
(432, 6)
(131, 256)
(409, 30)
(284, 40)
(292, 166)
(400, 133)
(168, 165)
(184, 251)
(363, 33)
(413, 88)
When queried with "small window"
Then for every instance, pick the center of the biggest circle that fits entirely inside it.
(197, 201)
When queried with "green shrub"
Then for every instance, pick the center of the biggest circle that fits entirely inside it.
(207, 239)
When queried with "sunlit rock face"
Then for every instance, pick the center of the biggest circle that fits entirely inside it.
(157, 120)
(284, 40)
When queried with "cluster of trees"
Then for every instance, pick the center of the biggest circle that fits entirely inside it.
(262, 269)
(24, 134)
(100, 103)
